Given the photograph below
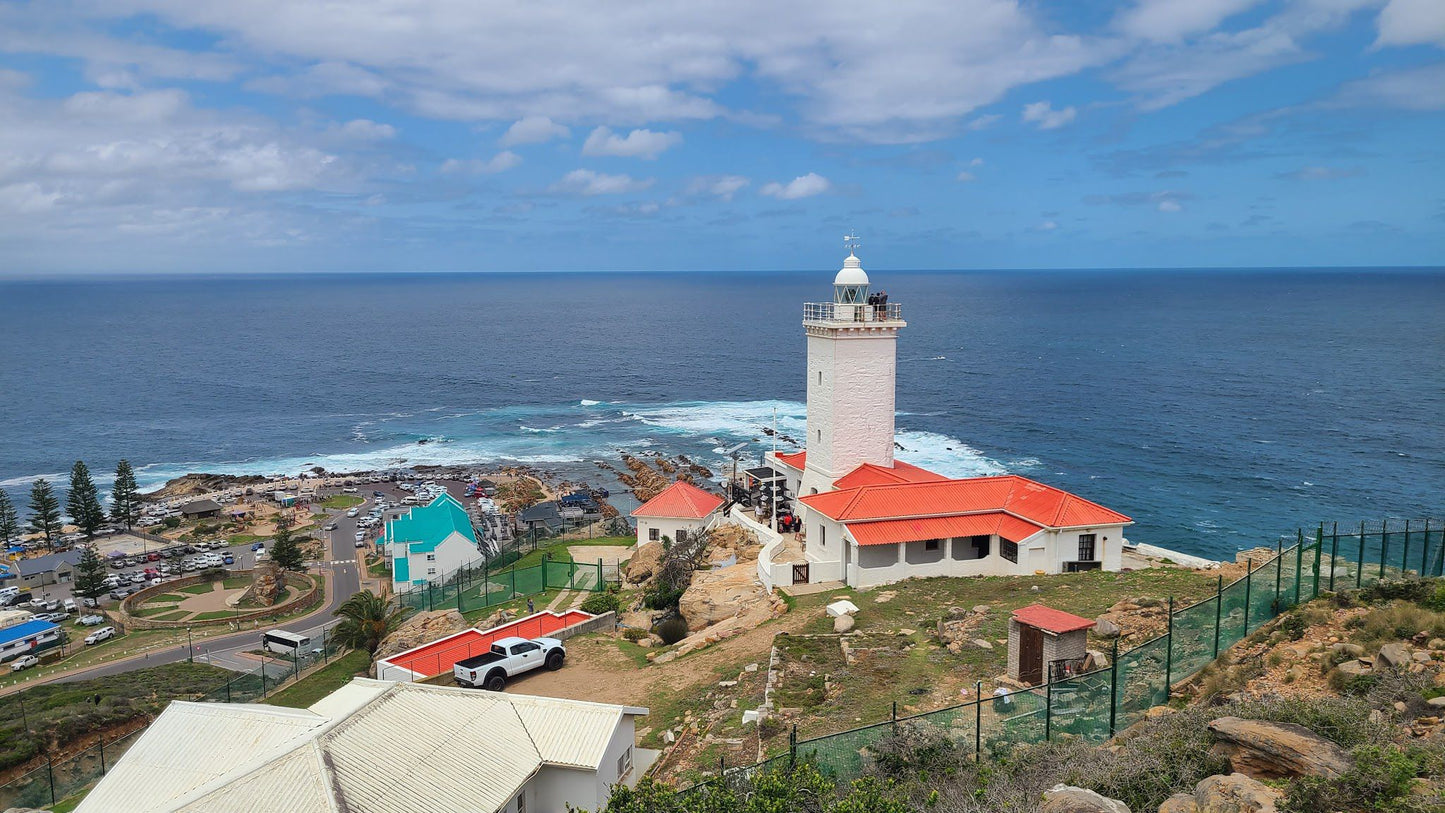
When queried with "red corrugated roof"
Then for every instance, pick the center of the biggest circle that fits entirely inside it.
(1043, 505)
(871, 474)
(680, 501)
(1051, 620)
(798, 460)
(887, 532)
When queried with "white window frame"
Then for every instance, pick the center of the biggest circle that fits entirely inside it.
(654, 534)
(624, 763)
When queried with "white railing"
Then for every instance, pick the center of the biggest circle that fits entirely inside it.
(835, 312)
(770, 574)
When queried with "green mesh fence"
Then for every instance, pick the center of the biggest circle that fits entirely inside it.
(843, 755)
(957, 723)
(1193, 634)
(61, 778)
(1080, 707)
(1141, 681)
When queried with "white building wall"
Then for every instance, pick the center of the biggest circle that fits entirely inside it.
(554, 788)
(850, 403)
(1046, 550)
(668, 527)
(452, 553)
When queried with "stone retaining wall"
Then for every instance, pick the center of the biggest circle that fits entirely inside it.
(310, 596)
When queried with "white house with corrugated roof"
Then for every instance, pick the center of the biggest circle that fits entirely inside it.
(378, 747)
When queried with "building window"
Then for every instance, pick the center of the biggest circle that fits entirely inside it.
(820, 376)
(823, 536)
(431, 571)
(820, 436)
(1009, 550)
(624, 763)
(681, 535)
(431, 557)
(931, 544)
(1086, 547)
(522, 802)
(653, 534)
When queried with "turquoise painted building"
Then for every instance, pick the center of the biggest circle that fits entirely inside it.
(430, 542)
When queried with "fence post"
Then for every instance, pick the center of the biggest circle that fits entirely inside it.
(228, 691)
(1425, 552)
(1278, 572)
(102, 754)
(1334, 553)
(1299, 552)
(1048, 707)
(1248, 581)
(1218, 613)
(1114, 680)
(895, 715)
(1360, 568)
(1319, 554)
(1169, 653)
(1405, 553)
(1384, 544)
(978, 721)
(50, 771)
(793, 747)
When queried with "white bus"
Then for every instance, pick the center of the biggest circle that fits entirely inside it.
(285, 643)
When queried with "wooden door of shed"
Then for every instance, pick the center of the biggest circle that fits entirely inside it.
(1031, 655)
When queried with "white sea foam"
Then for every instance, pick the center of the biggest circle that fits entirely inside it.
(587, 402)
(29, 479)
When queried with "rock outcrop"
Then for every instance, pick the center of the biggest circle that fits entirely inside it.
(267, 579)
(1235, 793)
(1069, 799)
(1265, 750)
(717, 595)
(420, 629)
(644, 563)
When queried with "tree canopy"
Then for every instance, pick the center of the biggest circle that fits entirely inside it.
(802, 789)
(89, 573)
(125, 496)
(82, 501)
(9, 520)
(366, 619)
(44, 511)
(285, 551)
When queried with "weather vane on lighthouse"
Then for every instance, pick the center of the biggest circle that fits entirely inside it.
(851, 241)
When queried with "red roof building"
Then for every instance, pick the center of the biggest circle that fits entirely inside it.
(1050, 620)
(680, 501)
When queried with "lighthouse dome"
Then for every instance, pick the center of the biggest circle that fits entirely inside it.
(852, 273)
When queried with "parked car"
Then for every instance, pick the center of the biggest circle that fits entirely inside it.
(228, 559)
(258, 546)
(509, 657)
(120, 593)
(348, 491)
(328, 527)
(353, 512)
(23, 662)
(52, 606)
(54, 618)
(69, 606)
(90, 620)
(90, 602)
(102, 634)
(361, 543)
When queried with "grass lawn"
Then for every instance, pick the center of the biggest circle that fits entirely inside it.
(341, 502)
(237, 583)
(212, 615)
(199, 589)
(557, 552)
(154, 609)
(602, 541)
(324, 681)
(165, 598)
(175, 616)
(517, 606)
(379, 566)
(244, 539)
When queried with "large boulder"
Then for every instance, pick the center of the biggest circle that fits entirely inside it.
(422, 628)
(1265, 750)
(1235, 793)
(843, 623)
(644, 562)
(716, 595)
(1069, 799)
(1393, 655)
(1104, 628)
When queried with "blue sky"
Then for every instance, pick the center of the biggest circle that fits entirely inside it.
(161, 136)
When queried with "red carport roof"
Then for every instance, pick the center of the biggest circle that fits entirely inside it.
(888, 532)
(680, 500)
(1050, 620)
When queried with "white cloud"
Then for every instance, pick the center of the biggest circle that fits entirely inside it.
(1170, 20)
(587, 183)
(1170, 205)
(532, 130)
(501, 162)
(1412, 22)
(803, 186)
(1046, 226)
(636, 144)
(1043, 114)
(368, 130)
(721, 186)
(1411, 89)
(977, 162)
(966, 177)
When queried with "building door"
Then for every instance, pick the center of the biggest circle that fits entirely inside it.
(800, 573)
(1031, 655)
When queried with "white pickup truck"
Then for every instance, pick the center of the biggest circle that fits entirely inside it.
(509, 657)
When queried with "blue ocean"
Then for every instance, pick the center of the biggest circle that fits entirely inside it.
(1218, 408)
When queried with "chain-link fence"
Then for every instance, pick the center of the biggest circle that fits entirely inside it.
(61, 777)
(482, 586)
(1095, 705)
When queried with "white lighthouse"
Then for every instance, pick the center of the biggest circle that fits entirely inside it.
(852, 364)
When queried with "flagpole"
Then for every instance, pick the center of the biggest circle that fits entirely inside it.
(772, 481)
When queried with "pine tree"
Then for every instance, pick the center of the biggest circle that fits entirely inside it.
(44, 512)
(83, 501)
(89, 573)
(285, 551)
(125, 496)
(9, 521)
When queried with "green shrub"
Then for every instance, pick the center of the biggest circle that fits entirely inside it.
(599, 603)
(635, 634)
(913, 748)
(1418, 591)
(1381, 776)
(1293, 626)
(658, 597)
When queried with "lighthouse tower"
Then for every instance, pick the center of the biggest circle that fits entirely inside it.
(852, 364)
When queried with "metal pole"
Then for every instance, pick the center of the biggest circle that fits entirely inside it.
(1425, 551)
(793, 747)
(1218, 611)
(1334, 552)
(1405, 554)
(977, 721)
(102, 754)
(1384, 544)
(1278, 572)
(1048, 707)
(190, 650)
(1248, 569)
(1114, 684)
(50, 770)
(1299, 552)
(1169, 653)
(1360, 565)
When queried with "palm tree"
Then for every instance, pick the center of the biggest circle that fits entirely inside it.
(366, 620)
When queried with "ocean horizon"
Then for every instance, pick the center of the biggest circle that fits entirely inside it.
(1219, 408)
